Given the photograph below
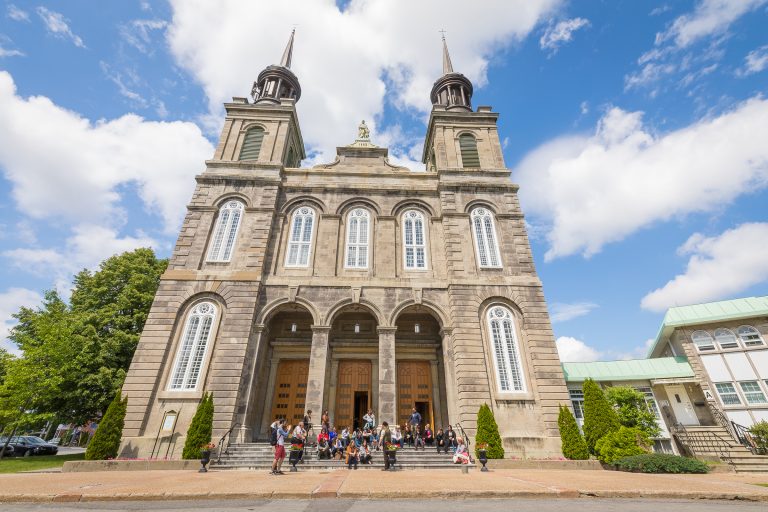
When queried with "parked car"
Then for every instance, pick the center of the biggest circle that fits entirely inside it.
(24, 446)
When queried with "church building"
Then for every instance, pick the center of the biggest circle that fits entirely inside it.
(349, 285)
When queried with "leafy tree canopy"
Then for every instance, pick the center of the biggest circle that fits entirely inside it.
(74, 357)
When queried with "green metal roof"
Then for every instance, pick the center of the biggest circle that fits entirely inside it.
(710, 312)
(634, 369)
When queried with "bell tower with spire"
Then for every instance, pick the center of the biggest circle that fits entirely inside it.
(457, 137)
(266, 131)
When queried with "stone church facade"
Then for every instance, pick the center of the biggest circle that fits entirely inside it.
(352, 285)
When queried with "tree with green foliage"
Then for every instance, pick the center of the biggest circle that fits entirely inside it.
(633, 410)
(574, 446)
(599, 416)
(621, 443)
(200, 430)
(74, 357)
(488, 434)
(106, 441)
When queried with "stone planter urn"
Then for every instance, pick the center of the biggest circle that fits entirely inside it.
(482, 456)
(294, 457)
(391, 455)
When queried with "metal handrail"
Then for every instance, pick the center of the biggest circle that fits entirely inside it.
(744, 436)
(703, 442)
(463, 435)
(226, 436)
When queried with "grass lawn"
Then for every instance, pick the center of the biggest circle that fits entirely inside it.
(762, 485)
(17, 464)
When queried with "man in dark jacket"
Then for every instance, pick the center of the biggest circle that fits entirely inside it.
(386, 441)
(415, 419)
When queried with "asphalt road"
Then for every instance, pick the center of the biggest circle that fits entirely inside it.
(331, 505)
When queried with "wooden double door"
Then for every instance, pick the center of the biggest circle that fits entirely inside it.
(353, 393)
(414, 389)
(290, 390)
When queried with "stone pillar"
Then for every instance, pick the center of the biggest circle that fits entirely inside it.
(437, 410)
(387, 375)
(333, 389)
(247, 420)
(318, 361)
(450, 375)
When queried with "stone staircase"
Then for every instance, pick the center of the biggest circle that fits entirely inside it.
(259, 456)
(716, 441)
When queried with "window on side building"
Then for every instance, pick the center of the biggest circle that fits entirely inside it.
(728, 394)
(750, 336)
(752, 393)
(726, 339)
(703, 341)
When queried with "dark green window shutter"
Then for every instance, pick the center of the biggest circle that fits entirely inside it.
(469, 156)
(252, 144)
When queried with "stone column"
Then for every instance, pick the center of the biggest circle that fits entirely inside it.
(450, 375)
(387, 375)
(318, 361)
(247, 420)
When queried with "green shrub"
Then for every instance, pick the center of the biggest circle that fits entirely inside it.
(200, 429)
(621, 443)
(759, 433)
(106, 440)
(488, 434)
(632, 409)
(599, 417)
(661, 463)
(574, 446)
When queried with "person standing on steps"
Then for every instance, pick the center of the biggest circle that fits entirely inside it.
(386, 441)
(282, 432)
(415, 419)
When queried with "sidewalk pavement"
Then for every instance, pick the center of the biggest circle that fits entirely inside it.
(342, 483)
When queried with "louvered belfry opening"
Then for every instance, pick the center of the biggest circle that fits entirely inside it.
(469, 156)
(252, 144)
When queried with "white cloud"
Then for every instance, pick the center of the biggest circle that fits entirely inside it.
(5, 52)
(17, 14)
(375, 55)
(138, 33)
(10, 301)
(63, 167)
(589, 191)
(572, 350)
(710, 17)
(718, 267)
(557, 35)
(560, 312)
(57, 25)
(755, 61)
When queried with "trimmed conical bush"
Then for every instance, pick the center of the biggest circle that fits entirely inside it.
(599, 417)
(200, 430)
(488, 433)
(106, 440)
(574, 446)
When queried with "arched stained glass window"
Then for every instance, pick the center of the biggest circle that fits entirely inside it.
(469, 155)
(192, 348)
(750, 336)
(414, 240)
(252, 143)
(506, 351)
(225, 232)
(485, 238)
(300, 238)
(358, 234)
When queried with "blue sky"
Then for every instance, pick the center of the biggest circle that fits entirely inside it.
(638, 132)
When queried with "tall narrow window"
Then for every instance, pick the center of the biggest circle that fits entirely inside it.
(577, 400)
(300, 239)
(726, 339)
(413, 235)
(357, 238)
(252, 143)
(750, 336)
(225, 232)
(509, 371)
(485, 238)
(469, 156)
(703, 341)
(192, 348)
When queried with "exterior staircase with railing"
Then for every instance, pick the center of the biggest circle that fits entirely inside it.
(726, 440)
